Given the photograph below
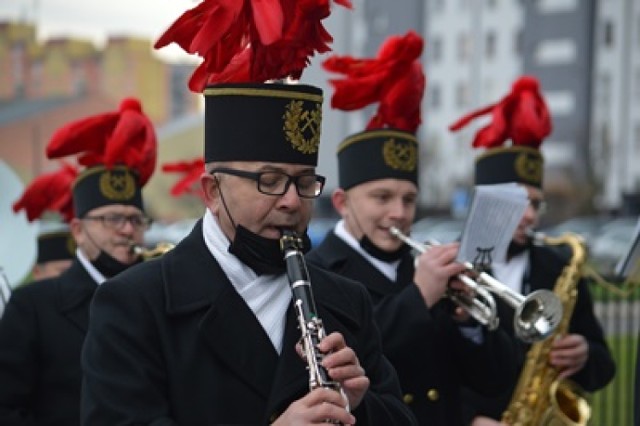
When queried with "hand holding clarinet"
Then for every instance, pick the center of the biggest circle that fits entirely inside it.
(337, 382)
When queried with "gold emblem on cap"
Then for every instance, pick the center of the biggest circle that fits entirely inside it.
(400, 156)
(529, 167)
(117, 185)
(298, 121)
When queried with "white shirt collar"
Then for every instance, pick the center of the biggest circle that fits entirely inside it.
(93, 272)
(268, 296)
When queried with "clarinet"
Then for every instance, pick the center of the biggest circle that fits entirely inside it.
(309, 323)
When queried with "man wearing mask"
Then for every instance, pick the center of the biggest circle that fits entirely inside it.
(378, 190)
(208, 333)
(45, 322)
(521, 122)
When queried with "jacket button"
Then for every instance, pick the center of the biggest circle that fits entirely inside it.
(407, 398)
(433, 394)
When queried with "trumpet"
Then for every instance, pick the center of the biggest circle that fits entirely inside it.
(536, 316)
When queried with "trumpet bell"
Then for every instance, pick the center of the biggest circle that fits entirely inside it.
(537, 316)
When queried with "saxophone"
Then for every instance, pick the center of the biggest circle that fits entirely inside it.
(540, 398)
(309, 323)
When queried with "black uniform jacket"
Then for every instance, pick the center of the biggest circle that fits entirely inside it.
(171, 342)
(425, 346)
(636, 397)
(546, 264)
(41, 335)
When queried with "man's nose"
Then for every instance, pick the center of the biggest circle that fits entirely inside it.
(291, 198)
(397, 209)
(127, 227)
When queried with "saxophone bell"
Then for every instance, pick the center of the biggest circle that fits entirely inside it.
(559, 401)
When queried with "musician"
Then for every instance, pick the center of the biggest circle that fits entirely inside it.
(636, 404)
(207, 334)
(512, 140)
(5, 290)
(378, 189)
(45, 322)
(56, 250)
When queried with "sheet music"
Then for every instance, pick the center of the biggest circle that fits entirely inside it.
(496, 211)
(629, 262)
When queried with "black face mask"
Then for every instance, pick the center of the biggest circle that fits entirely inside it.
(109, 266)
(386, 256)
(261, 254)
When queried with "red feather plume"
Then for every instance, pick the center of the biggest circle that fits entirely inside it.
(191, 172)
(251, 40)
(126, 136)
(49, 192)
(394, 79)
(522, 116)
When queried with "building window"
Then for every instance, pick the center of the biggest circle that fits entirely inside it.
(435, 96)
(556, 52)
(518, 43)
(636, 85)
(605, 91)
(464, 47)
(557, 6)
(607, 36)
(561, 102)
(488, 94)
(490, 45)
(436, 50)
(462, 95)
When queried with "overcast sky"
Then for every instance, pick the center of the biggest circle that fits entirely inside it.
(98, 19)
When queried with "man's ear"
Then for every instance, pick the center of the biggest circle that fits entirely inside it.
(209, 185)
(75, 226)
(339, 201)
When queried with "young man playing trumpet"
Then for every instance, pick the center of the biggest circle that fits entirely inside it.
(378, 190)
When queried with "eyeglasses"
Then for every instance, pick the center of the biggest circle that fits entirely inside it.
(540, 206)
(117, 221)
(277, 183)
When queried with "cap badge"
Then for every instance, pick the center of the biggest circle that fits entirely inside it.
(529, 168)
(117, 185)
(302, 127)
(400, 156)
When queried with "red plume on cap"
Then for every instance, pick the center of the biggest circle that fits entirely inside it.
(521, 116)
(190, 171)
(50, 191)
(251, 40)
(126, 136)
(394, 78)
